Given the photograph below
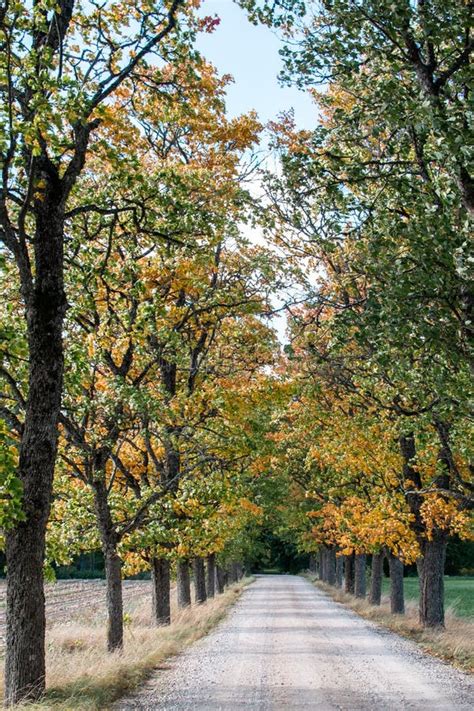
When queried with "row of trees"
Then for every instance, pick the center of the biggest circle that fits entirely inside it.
(131, 329)
(350, 572)
(374, 210)
(145, 404)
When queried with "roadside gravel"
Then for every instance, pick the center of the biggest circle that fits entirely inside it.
(286, 645)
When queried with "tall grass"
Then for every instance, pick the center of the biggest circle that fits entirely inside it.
(83, 676)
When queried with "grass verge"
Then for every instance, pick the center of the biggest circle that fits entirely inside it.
(83, 677)
(454, 644)
(458, 593)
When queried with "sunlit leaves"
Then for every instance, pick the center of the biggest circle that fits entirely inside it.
(10, 486)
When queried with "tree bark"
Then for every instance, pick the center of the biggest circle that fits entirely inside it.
(324, 564)
(360, 586)
(113, 564)
(331, 566)
(321, 563)
(199, 574)
(183, 584)
(113, 574)
(312, 564)
(45, 308)
(375, 592)
(432, 581)
(432, 552)
(25, 661)
(160, 574)
(434, 547)
(220, 579)
(211, 575)
(397, 595)
(339, 570)
(349, 573)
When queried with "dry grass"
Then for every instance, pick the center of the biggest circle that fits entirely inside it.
(454, 644)
(82, 676)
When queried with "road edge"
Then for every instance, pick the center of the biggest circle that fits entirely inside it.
(444, 645)
(102, 694)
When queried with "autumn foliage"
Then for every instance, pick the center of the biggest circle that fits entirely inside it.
(148, 407)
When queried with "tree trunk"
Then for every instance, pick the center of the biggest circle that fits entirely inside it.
(349, 573)
(183, 584)
(321, 563)
(432, 581)
(211, 575)
(113, 564)
(324, 564)
(199, 574)
(25, 661)
(113, 575)
(220, 579)
(160, 575)
(397, 596)
(312, 564)
(360, 587)
(434, 550)
(331, 566)
(234, 573)
(339, 570)
(375, 593)
(45, 304)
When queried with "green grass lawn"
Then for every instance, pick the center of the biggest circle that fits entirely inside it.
(459, 593)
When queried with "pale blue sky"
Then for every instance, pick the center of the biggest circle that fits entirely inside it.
(250, 54)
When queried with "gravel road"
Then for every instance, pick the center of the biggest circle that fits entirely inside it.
(286, 645)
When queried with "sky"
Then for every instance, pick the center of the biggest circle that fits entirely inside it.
(250, 54)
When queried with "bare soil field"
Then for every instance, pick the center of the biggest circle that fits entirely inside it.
(74, 600)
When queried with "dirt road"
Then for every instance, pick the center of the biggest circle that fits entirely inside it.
(286, 645)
